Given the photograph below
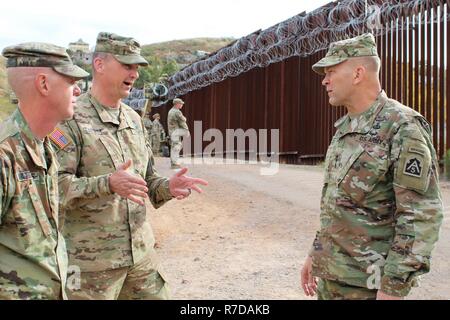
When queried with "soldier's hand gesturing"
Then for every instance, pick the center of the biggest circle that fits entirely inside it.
(180, 185)
(128, 185)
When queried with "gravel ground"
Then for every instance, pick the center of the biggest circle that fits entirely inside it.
(247, 235)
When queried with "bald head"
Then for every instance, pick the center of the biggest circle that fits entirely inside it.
(22, 80)
(372, 64)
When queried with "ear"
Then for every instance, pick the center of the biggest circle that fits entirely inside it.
(359, 74)
(99, 64)
(41, 82)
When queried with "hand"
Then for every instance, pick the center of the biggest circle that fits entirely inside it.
(128, 185)
(308, 281)
(383, 296)
(180, 185)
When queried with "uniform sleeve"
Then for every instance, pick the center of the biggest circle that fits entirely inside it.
(158, 187)
(182, 120)
(71, 186)
(7, 187)
(419, 209)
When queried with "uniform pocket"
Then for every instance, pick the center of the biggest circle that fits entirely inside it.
(112, 149)
(40, 211)
(365, 168)
(348, 164)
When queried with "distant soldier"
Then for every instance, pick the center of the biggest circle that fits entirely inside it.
(148, 124)
(158, 135)
(33, 257)
(381, 206)
(178, 128)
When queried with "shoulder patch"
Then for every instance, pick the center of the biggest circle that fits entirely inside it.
(413, 167)
(59, 138)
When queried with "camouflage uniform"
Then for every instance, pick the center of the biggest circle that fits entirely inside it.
(157, 136)
(109, 237)
(381, 206)
(177, 127)
(148, 124)
(33, 257)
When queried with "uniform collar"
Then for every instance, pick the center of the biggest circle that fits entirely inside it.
(364, 121)
(124, 121)
(33, 145)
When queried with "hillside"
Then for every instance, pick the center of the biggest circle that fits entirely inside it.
(185, 51)
(5, 106)
(3, 81)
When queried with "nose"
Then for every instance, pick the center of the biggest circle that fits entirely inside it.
(76, 90)
(135, 74)
(325, 81)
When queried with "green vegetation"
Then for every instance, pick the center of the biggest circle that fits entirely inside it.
(153, 72)
(169, 57)
(179, 48)
(3, 81)
(6, 107)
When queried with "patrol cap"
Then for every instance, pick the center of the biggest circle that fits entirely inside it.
(38, 54)
(177, 100)
(125, 50)
(340, 51)
(163, 77)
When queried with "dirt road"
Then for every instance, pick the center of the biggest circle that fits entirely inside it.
(246, 237)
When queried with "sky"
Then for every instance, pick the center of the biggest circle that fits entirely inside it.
(62, 22)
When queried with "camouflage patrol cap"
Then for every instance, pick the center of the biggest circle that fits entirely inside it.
(177, 100)
(125, 50)
(340, 51)
(163, 77)
(38, 54)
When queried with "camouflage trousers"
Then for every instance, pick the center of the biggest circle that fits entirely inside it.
(156, 145)
(175, 148)
(142, 281)
(334, 290)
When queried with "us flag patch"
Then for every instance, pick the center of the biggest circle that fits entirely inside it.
(58, 137)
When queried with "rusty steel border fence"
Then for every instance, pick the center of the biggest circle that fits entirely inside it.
(287, 95)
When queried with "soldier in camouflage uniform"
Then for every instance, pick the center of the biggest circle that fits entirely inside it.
(381, 206)
(158, 135)
(148, 124)
(177, 126)
(107, 177)
(33, 257)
